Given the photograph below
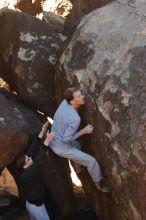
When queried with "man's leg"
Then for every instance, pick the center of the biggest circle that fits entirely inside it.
(37, 212)
(76, 166)
(86, 160)
(83, 159)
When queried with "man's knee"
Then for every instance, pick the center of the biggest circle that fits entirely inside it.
(93, 161)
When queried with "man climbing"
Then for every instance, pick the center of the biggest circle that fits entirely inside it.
(65, 126)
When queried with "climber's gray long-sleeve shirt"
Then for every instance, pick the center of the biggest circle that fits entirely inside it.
(65, 125)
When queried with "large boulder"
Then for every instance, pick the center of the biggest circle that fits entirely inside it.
(107, 58)
(17, 125)
(29, 50)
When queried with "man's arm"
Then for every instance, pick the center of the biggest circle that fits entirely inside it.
(34, 147)
(34, 167)
(70, 133)
(86, 130)
(39, 158)
(44, 128)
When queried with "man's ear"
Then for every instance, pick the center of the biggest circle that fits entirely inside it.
(71, 102)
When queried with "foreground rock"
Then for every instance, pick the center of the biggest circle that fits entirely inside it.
(106, 57)
(56, 22)
(17, 125)
(10, 207)
(28, 58)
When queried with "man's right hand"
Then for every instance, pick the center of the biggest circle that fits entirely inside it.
(86, 130)
(45, 126)
(49, 137)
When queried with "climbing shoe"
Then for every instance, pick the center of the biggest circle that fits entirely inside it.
(102, 188)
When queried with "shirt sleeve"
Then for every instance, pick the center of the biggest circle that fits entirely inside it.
(71, 133)
(34, 147)
(38, 161)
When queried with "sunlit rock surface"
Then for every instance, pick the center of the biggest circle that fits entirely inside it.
(7, 182)
(28, 58)
(8, 3)
(59, 7)
(72, 10)
(32, 7)
(78, 8)
(107, 58)
(3, 84)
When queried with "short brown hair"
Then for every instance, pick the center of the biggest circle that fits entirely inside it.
(20, 161)
(68, 94)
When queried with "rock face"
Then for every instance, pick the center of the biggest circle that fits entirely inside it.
(107, 58)
(10, 207)
(17, 124)
(56, 22)
(81, 8)
(28, 58)
(73, 10)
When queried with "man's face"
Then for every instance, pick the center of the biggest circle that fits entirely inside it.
(78, 99)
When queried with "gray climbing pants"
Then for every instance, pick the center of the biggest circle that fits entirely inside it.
(74, 154)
